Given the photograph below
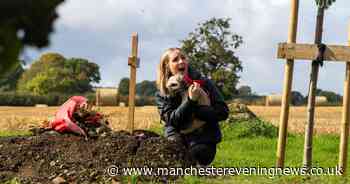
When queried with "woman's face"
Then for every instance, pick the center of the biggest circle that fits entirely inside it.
(177, 62)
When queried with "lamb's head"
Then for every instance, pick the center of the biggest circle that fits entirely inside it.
(176, 84)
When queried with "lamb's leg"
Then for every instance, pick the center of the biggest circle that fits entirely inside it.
(204, 99)
(195, 124)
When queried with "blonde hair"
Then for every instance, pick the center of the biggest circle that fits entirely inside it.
(163, 72)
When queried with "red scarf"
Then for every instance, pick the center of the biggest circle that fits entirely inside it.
(189, 81)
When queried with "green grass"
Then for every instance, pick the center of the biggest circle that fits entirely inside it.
(11, 133)
(13, 181)
(253, 144)
(245, 146)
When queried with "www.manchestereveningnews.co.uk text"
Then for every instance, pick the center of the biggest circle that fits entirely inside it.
(220, 171)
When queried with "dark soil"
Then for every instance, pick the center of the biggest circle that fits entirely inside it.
(46, 157)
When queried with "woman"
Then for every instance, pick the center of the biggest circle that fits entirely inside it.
(177, 113)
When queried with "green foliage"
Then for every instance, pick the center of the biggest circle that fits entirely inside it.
(324, 3)
(10, 133)
(54, 73)
(143, 88)
(9, 81)
(210, 49)
(133, 179)
(331, 96)
(146, 88)
(297, 98)
(244, 91)
(123, 88)
(157, 129)
(251, 128)
(13, 181)
(258, 128)
(145, 91)
(145, 100)
(259, 151)
(24, 23)
(28, 99)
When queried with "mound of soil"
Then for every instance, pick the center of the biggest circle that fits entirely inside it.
(239, 111)
(65, 158)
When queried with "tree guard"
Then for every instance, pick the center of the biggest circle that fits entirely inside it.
(317, 53)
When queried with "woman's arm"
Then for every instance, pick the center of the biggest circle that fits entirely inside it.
(172, 115)
(217, 111)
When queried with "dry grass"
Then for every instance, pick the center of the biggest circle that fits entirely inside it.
(22, 118)
(327, 119)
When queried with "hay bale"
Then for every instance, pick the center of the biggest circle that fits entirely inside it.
(107, 96)
(273, 100)
(321, 101)
(276, 100)
(41, 105)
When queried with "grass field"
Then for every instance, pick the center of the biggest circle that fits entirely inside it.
(22, 118)
(259, 150)
(327, 119)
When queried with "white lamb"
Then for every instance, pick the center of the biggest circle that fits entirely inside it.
(176, 85)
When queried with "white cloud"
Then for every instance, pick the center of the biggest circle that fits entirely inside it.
(100, 31)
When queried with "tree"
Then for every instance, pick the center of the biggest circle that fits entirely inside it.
(322, 5)
(325, 4)
(9, 81)
(245, 91)
(45, 62)
(210, 49)
(143, 88)
(146, 88)
(84, 72)
(54, 73)
(24, 23)
(331, 96)
(123, 88)
(297, 98)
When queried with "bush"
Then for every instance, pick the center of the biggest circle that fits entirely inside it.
(258, 128)
(28, 99)
(250, 128)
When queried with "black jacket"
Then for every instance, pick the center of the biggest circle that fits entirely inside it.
(176, 113)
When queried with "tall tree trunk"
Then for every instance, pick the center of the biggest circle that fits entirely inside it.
(312, 93)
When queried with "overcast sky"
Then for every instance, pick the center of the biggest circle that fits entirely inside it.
(100, 31)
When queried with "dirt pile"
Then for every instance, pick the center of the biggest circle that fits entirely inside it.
(51, 157)
(239, 111)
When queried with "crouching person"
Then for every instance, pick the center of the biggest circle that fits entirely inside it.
(178, 112)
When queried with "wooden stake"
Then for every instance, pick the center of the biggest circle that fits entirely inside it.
(133, 63)
(98, 97)
(309, 128)
(309, 52)
(288, 78)
(344, 135)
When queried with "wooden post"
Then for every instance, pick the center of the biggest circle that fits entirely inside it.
(309, 128)
(288, 78)
(344, 135)
(133, 63)
(98, 97)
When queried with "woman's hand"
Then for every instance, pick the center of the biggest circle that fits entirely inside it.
(195, 91)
